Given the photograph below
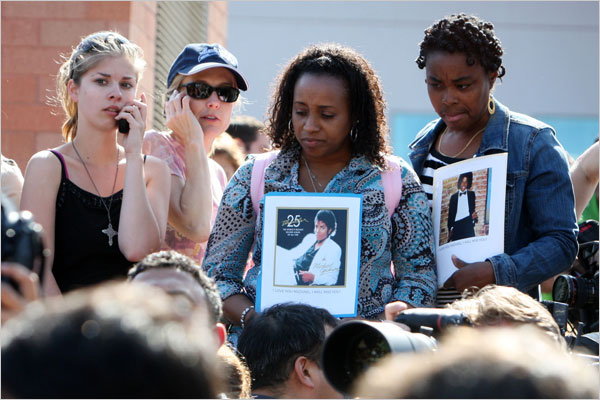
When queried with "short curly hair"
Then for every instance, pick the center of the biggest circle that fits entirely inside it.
(469, 176)
(367, 105)
(466, 34)
(178, 261)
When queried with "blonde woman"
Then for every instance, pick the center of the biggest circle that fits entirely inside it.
(101, 204)
(203, 85)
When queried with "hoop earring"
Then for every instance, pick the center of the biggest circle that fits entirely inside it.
(354, 133)
(290, 126)
(491, 106)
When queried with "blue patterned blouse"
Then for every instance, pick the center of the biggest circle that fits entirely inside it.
(406, 238)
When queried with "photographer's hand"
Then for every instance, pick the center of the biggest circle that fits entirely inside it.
(477, 274)
(14, 302)
(394, 308)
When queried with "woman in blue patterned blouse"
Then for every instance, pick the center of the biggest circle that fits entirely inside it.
(327, 119)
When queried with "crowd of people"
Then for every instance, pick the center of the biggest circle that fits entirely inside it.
(153, 240)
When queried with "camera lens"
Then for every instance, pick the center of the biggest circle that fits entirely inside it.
(576, 292)
(563, 289)
(354, 346)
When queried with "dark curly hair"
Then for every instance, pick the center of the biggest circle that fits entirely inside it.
(469, 176)
(467, 34)
(178, 261)
(367, 105)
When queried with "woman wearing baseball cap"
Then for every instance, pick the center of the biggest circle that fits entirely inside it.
(202, 86)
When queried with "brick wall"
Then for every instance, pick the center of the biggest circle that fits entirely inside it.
(480, 179)
(35, 34)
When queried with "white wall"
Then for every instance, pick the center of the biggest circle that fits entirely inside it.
(551, 48)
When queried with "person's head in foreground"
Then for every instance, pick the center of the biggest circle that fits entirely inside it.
(111, 341)
(500, 363)
(238, 383)
(506, 306)
(282, 347)
(180, 276)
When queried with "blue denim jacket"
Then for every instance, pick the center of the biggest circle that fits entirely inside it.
(540, 227)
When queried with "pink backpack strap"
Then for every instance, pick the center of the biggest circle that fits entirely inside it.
(257, 181)
(391, 180)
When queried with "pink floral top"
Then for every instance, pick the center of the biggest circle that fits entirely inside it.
(164, 146)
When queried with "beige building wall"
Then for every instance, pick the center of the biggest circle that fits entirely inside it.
(216, 31)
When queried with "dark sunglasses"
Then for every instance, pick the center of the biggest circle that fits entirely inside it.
(201, 90)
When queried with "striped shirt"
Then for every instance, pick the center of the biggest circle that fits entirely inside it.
(434, 161)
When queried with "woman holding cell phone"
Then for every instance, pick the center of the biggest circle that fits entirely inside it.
(100, 203)
(203, 84)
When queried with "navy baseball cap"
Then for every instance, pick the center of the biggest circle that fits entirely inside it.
(196, 57)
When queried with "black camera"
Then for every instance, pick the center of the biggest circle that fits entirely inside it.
(577, 290)
(579, 287)
(437, 319)
(21, 241)
(354, 346)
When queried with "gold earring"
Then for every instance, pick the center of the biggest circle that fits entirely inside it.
(491, 106)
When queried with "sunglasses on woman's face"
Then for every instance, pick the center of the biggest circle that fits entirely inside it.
(201, 90)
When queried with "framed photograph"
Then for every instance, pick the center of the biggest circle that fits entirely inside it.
(311, 251)
(468, 211)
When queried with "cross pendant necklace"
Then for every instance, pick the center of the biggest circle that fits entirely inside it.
(109, 231)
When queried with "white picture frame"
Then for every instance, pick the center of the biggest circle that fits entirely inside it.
(289, 233)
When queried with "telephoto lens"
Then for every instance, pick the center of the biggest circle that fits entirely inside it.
(354, 346)
(437, 319)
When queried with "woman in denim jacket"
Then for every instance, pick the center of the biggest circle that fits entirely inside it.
(462, 59)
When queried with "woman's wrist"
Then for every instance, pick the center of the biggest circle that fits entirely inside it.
(195, 141)
(246, 315)
(132, 156)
